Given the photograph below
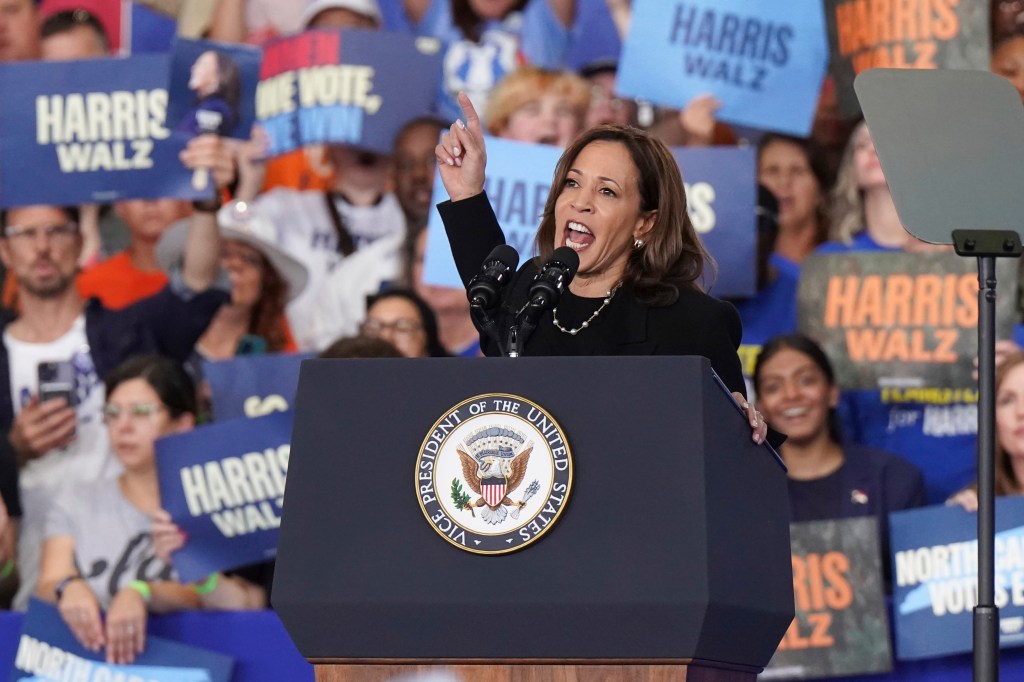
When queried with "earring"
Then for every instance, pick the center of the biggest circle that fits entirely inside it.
(638, 243)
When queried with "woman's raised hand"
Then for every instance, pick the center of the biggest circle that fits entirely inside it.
(461, 155)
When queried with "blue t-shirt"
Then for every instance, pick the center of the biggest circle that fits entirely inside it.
(534, 36)
(938, 437)
(770, 312)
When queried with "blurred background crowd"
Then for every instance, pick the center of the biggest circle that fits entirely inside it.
(321, 250)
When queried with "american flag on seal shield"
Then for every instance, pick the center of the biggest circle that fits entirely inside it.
(493, 490)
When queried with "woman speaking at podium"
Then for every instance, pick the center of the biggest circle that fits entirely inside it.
(617, 200)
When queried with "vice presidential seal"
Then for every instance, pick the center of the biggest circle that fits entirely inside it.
(494, 474)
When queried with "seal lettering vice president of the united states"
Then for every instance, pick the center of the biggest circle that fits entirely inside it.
(617, 199)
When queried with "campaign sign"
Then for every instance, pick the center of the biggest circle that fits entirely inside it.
(349, 87)
(909, 34)
(899, 321)
(89, 131)
(764, 61)
(212, 88)
(517, 184)
(253, 385)
(721, 197)
(935, 577)
(841, 625)
(223, 484)
(720, 193)
(47, 650)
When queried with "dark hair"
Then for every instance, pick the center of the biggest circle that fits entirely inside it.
(816, 162)
(268, 320)
(427, 317)
(169, 379)
(71, 212)
(229, 87)
(469, 22)
(673, 257)
(805, 345)
(69, 19)
(360, 347)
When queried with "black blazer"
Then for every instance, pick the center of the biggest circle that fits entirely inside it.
(696, 324)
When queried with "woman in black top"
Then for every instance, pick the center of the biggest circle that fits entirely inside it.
(617, 199)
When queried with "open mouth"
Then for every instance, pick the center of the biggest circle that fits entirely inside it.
(577, 236)
(795, 412)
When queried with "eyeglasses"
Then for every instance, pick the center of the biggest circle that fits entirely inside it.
(30, 233)
(403, 326)
(253, 260)
(137, 412)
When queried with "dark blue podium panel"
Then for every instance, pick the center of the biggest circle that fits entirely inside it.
(674, 542)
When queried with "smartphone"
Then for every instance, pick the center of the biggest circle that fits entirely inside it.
(251, 344)
(56, 380)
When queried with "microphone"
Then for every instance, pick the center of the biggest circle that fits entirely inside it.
(547, 287)
(484, 289)
(554, 276)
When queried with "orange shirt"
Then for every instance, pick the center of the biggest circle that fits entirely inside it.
(118, 283)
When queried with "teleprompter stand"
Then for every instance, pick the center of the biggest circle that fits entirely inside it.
(671, 560)
(951, 144)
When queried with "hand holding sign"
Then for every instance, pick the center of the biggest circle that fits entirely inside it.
(210, 152)
(462, 156)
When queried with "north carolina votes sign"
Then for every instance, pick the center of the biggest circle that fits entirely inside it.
(347, 87)
(223, 484)
(48, 651)
(720, 194)
(90, 131)
(935, 577)
(764, 61)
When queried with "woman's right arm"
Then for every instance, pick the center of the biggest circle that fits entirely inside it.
(472, 227)
(78, 606)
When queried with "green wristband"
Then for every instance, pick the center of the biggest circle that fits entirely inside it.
(8, 568)
(143, 588)
(208, 585)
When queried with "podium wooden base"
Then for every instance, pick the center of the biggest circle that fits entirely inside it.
(497, 672)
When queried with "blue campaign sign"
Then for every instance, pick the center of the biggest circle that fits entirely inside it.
(935, 577)
(350, 87)
(223, 484)
(48, 651)
(765, 61)
(721, 196)
(90, 131)
(212, 88)
(253, 385)
(517, 183)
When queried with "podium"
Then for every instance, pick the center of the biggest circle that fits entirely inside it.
(670, 559)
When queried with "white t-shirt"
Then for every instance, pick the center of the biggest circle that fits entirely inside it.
(87, 458)
(305, 230)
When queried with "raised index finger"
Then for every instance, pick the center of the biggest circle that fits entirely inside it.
(472, 119)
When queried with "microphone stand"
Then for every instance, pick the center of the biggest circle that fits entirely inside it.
(486, 324)
(986, 245)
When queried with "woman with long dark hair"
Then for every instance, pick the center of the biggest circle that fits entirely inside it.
(828, 477)
(617, 200)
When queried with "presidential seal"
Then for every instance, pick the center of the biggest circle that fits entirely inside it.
(494, 474)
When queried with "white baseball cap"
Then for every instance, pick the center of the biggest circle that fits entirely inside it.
(367, 8)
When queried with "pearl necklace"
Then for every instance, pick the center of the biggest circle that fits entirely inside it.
(586, 323)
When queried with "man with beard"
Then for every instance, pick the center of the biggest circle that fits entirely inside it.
(57, 441)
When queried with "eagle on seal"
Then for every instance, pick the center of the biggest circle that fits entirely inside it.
(494, 479)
